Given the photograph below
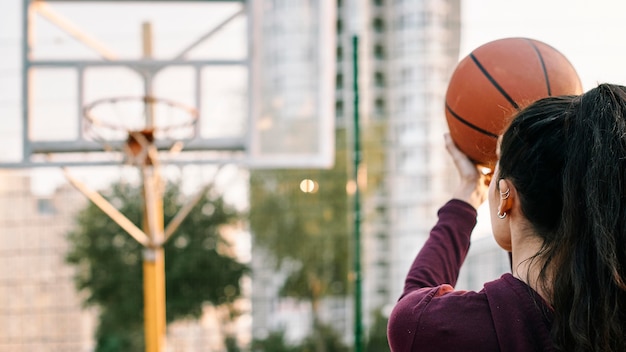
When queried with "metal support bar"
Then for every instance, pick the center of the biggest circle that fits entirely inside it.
(85, 146)
(208, 35)
(173, 225)
(150, 64)
(110, 210)
(182, 214)
(68, 27)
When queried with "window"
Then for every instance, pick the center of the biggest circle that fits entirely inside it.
(45, 206)
(339, 81)
(379, 106)
(339, 108)
(379, 52)
(339, 53)
(379, 25)
(379, 79)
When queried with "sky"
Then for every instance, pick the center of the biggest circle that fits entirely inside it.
(589, 33)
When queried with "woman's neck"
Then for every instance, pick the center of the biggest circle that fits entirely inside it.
(526, 265)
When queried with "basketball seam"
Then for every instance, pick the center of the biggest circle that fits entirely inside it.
(543, 65)
(493, 82)
(469, 124)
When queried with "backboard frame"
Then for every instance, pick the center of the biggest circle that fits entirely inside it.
(243, 150)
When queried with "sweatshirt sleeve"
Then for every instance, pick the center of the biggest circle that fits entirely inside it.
(440, 259)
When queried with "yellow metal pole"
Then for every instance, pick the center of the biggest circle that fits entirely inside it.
(154, 265)
(154, 258)
(154, 299)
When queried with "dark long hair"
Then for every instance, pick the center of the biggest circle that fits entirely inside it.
(566, 157)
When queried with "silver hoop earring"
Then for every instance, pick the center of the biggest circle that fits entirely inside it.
(502, 216)
(505, 195)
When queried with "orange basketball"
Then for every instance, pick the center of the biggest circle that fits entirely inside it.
(494, 82)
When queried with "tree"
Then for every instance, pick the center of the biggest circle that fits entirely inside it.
(377, 339)
(329, 338)
(275, 342)
(199, 265)
(313, 230)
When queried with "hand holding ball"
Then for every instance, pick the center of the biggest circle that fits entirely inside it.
(494, 82)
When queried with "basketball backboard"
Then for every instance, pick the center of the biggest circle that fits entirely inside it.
(259, 74)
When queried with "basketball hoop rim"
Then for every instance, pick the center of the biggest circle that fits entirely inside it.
(87, 109)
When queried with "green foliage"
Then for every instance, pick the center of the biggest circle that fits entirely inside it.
(328, 338)
(230, 343)
(199, 268)
(309, 234)
(275, 342)
(306, 231)
(377, 340)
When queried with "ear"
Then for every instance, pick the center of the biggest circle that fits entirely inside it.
(507, 194)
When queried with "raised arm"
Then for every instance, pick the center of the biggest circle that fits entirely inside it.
(440, 259)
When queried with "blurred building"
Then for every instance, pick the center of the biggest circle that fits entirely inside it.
(485, 262)
(40, 309)
(408, 50)
(407, 53)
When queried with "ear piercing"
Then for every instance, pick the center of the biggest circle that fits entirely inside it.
(504, 195)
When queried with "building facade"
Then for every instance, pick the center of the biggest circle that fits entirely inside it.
(407, 53)
(41, 310)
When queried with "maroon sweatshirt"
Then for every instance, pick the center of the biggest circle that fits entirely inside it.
(506, 315)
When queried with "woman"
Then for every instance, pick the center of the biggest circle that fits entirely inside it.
(557, 200)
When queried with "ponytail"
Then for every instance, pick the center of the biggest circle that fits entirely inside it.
(566, 157)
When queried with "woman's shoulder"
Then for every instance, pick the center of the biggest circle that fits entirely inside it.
(520, 314)
(441, 318)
